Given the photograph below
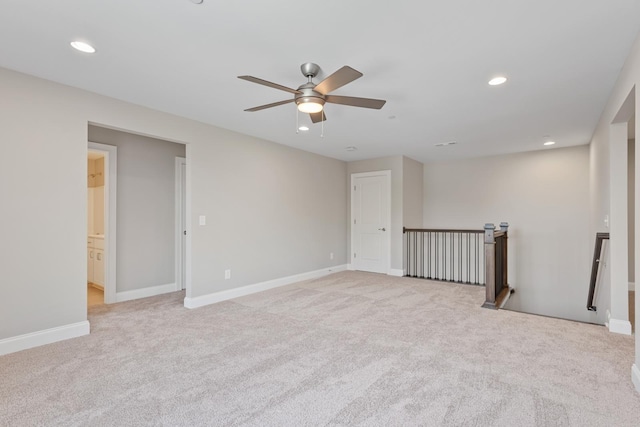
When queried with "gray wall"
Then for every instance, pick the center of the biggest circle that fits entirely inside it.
(412, 193)
(145, 208)
(272, 211)
(544, 196)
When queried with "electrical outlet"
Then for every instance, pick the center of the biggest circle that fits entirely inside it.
(331, 255)
(227, 274)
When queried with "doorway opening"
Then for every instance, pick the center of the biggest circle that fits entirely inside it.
(152, 214)
(101, 223)
(624, 222)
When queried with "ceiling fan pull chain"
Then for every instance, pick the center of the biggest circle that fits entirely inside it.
(297, 127)
(322, 131)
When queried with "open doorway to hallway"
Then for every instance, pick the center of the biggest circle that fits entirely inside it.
(95, 227)
(150, 208)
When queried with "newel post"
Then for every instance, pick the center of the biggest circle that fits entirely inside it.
(490, 265)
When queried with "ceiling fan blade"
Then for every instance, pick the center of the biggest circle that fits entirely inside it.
(273, 104)
(356, 102)
(270, 84)
(338, 79)
(318, 117)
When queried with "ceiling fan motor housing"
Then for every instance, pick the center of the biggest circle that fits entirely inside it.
(309, 95)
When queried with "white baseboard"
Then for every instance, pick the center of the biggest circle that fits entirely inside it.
(395, 272)
(46, 336)
(632, 286)
(391, 272)
(145, 292)
(95, 285)
(635, 376)
(620, 326)
(258, 287)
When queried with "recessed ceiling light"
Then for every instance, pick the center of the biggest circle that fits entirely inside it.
(497, 80)
(351, 148)
(83, 47)
(549, 143)
(303, 128)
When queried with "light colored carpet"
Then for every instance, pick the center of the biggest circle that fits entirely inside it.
(347, 349)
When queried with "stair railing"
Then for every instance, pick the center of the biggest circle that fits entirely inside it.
(595, 268)
(476, 257)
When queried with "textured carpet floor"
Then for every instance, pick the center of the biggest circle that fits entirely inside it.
(347, 349)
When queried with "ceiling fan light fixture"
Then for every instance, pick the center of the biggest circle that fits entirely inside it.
(310, 104)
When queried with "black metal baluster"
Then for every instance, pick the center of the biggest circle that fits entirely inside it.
(422, 253)
(429, 259)
(452, 276)
(408, 233)
(459, 257)
(477, 271)
(415, 253)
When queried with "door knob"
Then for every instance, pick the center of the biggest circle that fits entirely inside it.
(382, 229)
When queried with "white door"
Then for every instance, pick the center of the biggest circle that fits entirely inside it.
(370, 221)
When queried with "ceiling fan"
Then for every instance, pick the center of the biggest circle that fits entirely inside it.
(311, 97)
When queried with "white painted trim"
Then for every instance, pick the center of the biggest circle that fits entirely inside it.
(620, 326)
(395, 272)
(46, 336)
(350, 267)
(179, 197)
(632, 286)
(110, 186)
(151, 291)
(387, 174)
(98, 287)
(635, 377)
(258, 287)
(187, 266)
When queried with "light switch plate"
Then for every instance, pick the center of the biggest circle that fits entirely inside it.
(203, 220)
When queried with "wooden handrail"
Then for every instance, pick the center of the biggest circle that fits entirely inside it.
(440, 230)
(595, 267)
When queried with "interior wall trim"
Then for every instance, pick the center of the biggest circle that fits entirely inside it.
(150, 291)
(396, 272)
(635, 376)
(45, 336)
(620, 326)
(258, 287)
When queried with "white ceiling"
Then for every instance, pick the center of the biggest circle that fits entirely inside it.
(430, 60)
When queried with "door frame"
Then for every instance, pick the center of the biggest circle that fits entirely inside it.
(180, 200)
(354, 176)
(110, 192)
